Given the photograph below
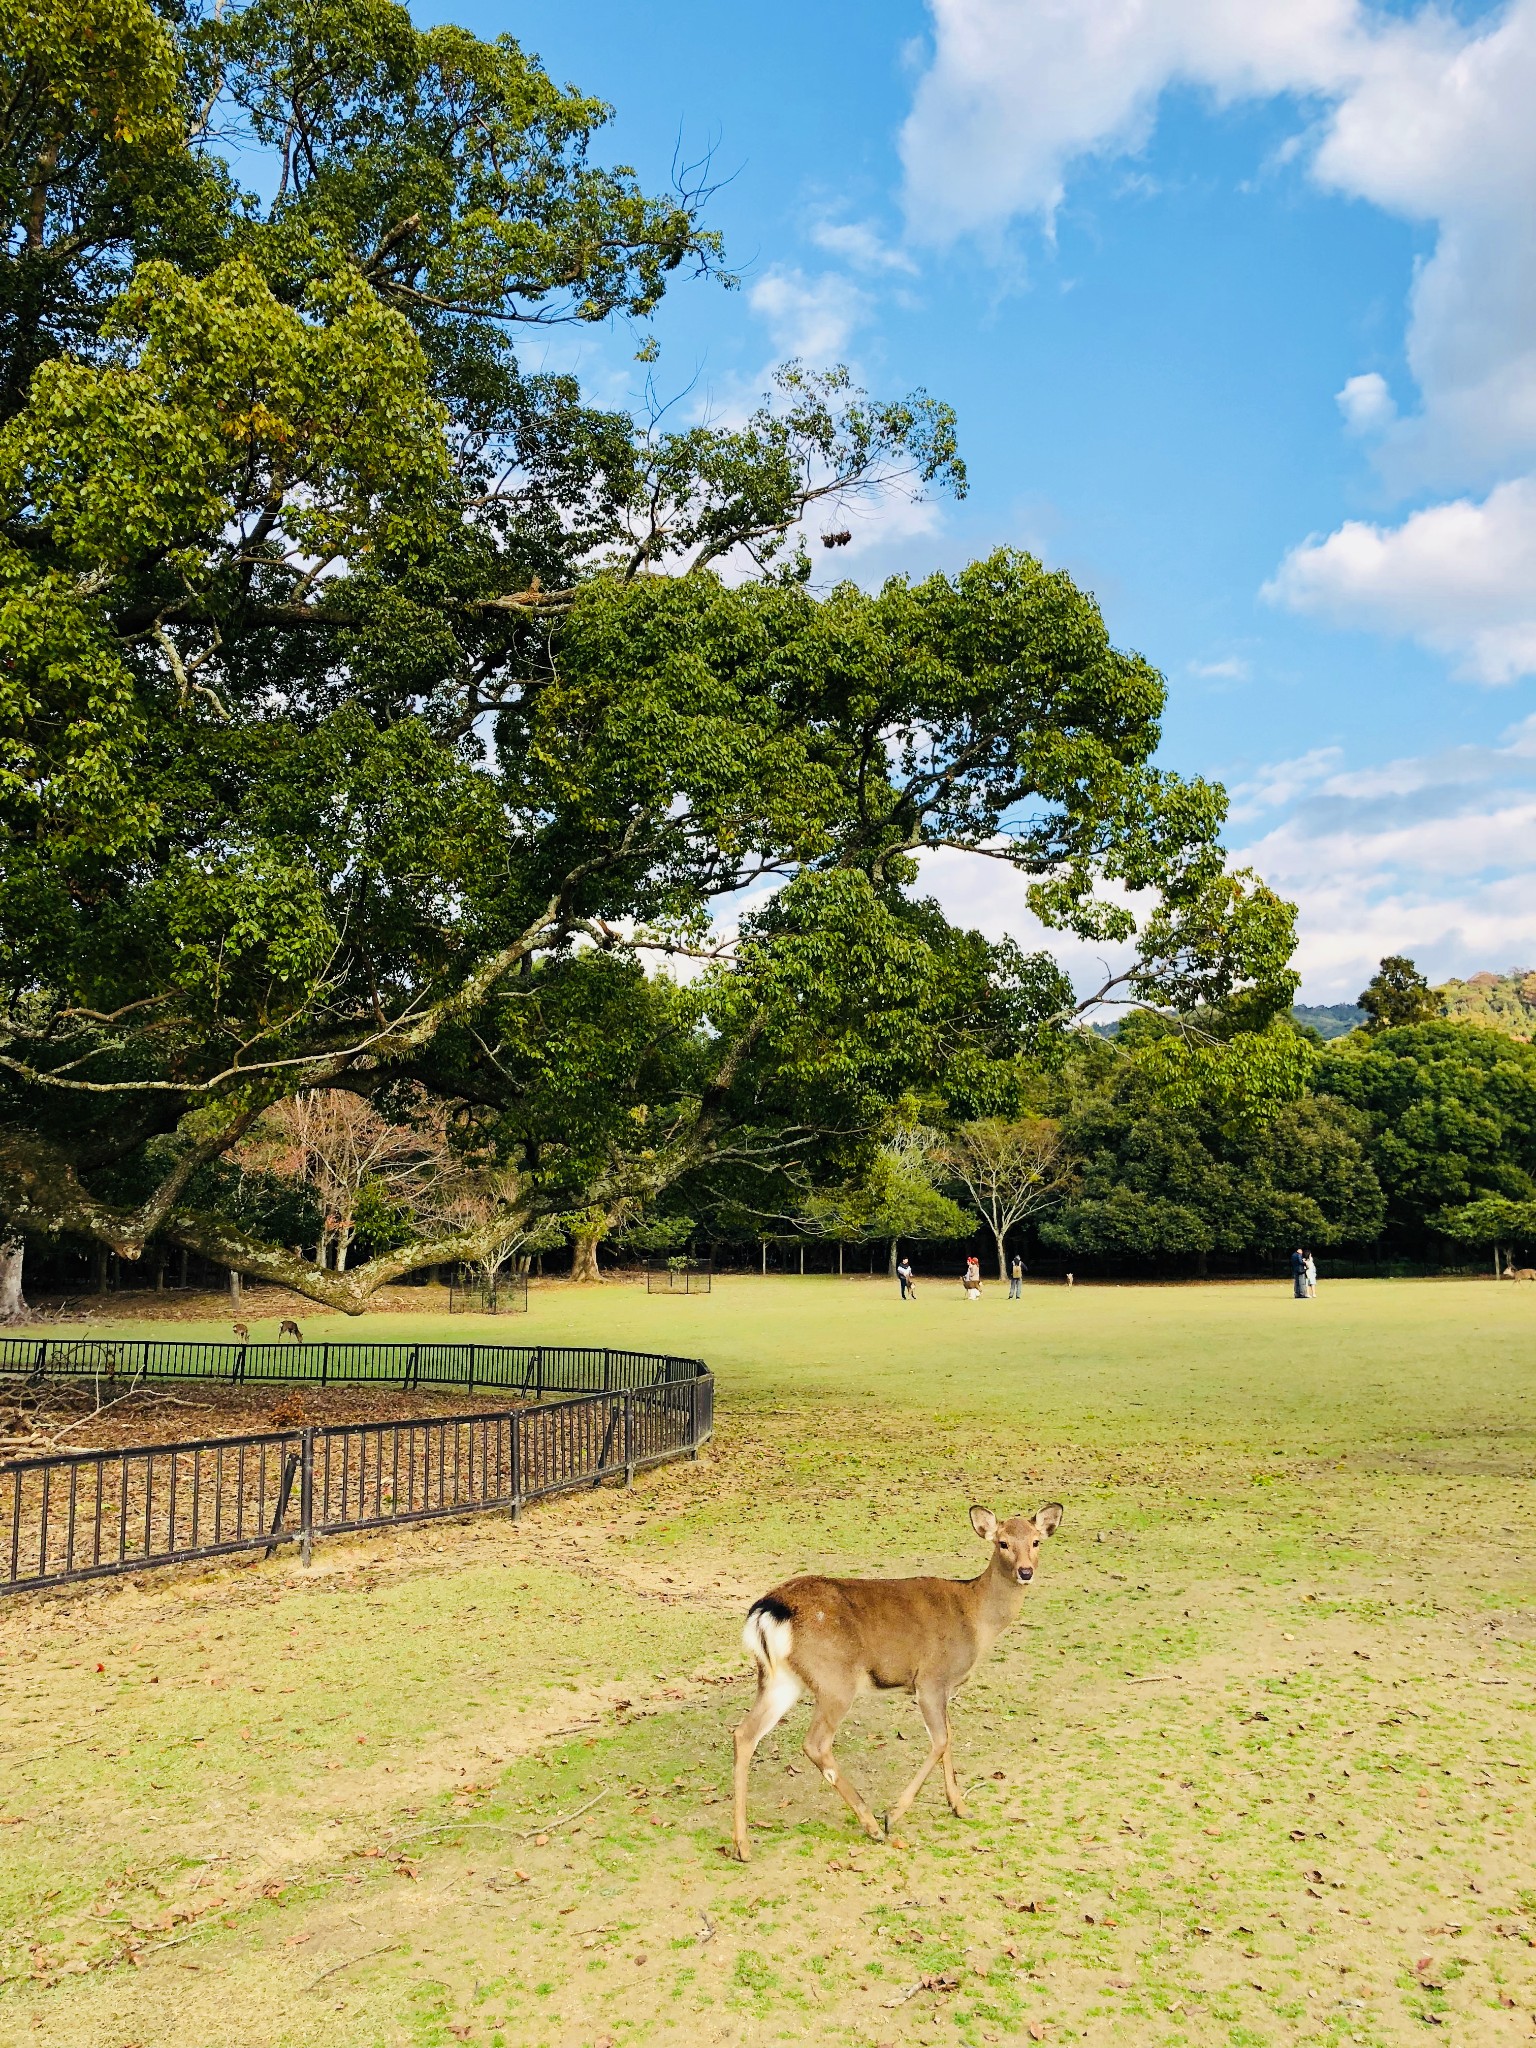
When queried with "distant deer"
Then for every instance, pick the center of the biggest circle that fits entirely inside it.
(289, 1328)
(837, 1638)
(243, 1332)
(1520, 1272)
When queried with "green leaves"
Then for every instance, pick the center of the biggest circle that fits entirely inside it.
(1452, 1112)
(308, 431)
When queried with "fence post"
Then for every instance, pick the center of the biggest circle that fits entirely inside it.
(306, 1494)
(517, 1465)
(538, 1366)
(629, 1439)
(693, 1416)
(607, 1370)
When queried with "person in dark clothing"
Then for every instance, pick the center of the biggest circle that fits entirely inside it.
(1016, 1279)
(1299, 1274)
(904, 1275)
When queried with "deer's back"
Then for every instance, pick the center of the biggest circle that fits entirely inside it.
(887, 1632)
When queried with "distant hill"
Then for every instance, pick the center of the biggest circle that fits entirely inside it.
(1498, 1002)
(1329, 1020)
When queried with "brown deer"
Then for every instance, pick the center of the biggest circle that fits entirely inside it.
(243, 1332)
(836, 1638)
(289, 1328)
(1520, 1273)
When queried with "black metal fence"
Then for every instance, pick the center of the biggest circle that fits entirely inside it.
(683, 1276)
(509, 1297)
(537, 1369)
(86, 1514)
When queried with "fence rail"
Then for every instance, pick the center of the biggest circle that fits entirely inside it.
(537, 1369)
(86, 1514)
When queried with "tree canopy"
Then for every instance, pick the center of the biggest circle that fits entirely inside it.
(373, 711)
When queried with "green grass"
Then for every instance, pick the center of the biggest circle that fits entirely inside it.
(1257, 1756)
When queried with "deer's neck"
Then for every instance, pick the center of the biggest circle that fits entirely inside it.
(996, 1598)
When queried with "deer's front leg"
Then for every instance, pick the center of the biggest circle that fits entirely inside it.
(933, 1705)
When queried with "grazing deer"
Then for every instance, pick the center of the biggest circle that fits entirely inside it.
(289, 1328)
(837, 1638)
(243, 1332)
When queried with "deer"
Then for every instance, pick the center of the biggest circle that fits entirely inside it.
(289, 1328)
(836, 1638)
(242, 1332)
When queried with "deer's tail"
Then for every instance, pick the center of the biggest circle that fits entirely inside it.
(769, 1636)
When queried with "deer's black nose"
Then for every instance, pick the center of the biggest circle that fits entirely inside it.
(1026, 1573)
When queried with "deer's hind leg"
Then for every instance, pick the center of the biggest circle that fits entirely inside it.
(777, 1692)
(831, 1710)
(933, 1705)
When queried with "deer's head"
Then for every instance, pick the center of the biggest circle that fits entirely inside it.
(1016, 1542)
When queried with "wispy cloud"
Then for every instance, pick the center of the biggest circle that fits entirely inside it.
(1231, 669)
(811, 317)
(1431, 854)
(859, 244)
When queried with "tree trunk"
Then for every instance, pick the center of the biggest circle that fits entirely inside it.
(802, 1260)
(890, 1264)
(160, 1271)
(765, 1258)
(234, 1288)
(185, 1257)
(13, 1307)
(839, 1258)
(1002, 1254)
(1202, 1265)
(585, 1270)
(99, 1269)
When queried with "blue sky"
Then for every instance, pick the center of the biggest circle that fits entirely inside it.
(1237, 305)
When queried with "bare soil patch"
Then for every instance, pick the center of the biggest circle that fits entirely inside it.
(65, 1415)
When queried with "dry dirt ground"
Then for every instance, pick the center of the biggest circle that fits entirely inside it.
(1255, 1766)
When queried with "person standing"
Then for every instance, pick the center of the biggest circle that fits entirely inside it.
(973, 1278)
(1016, 1279)
(1299, 1273)
(1311, 1265)
(904, 1275)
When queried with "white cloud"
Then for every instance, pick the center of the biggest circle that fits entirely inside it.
(1282, 782)
(858, 243)
(1366, 403)
(1420, 113)
(1459, 577)
(811, 317)
(1232, 669)
(1433, 855)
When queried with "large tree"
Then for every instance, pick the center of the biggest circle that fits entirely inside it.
(1451, 1111)
(364, 699)
(1181, 1153)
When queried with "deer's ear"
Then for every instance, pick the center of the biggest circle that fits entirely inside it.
(984, 1522)
(1048, 1520)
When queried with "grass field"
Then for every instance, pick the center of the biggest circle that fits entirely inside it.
(1254, 1767)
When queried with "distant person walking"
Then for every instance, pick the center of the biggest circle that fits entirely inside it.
(973, 1279)
(904, 1275)
(1016, 1278)
(1299, 1273)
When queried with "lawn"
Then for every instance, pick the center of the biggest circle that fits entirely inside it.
(1254, 1767)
